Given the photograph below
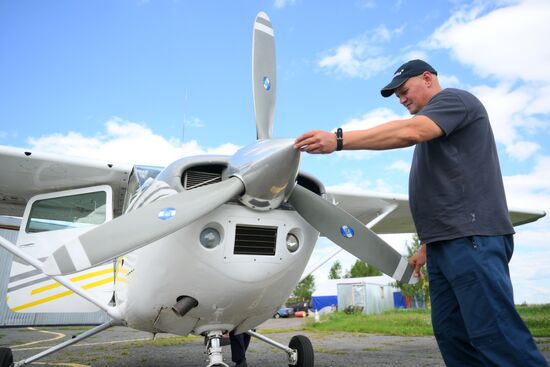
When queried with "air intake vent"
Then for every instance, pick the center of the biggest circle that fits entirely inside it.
(255, 240)
(201, 176)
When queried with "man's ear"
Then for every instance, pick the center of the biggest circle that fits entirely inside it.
(428, 78)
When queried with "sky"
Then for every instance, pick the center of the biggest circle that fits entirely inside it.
(151, 81)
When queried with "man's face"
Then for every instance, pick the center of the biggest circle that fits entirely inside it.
(413, 94)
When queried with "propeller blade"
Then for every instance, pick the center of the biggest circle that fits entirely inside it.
(140, 227)
(263, 75)
(350, 234)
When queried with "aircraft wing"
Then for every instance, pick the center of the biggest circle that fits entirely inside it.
(391, 212)
(25, 173)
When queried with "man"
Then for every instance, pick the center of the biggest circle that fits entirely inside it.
(459, 208)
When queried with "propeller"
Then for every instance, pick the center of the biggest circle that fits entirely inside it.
(166, 215)
(262, 175)
(264, 85)
(124, 234)
(350, 234)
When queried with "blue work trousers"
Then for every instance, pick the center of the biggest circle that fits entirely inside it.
(239, 345)
(474, 318)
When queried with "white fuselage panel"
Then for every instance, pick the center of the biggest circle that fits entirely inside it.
(232, 290)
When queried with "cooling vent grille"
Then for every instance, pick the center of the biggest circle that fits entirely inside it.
(255, 240)
(194, 178)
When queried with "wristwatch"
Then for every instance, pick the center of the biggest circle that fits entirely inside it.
(339, 139)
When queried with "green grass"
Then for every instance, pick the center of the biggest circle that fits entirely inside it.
(537, 319)
(276, 331)
(164, 341)
(389, 323)
(415, 322)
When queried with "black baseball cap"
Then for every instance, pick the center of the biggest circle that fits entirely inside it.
(404, 72)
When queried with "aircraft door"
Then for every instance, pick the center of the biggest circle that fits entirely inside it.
(51, 220)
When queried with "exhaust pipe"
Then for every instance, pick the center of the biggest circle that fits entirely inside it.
(184, 304)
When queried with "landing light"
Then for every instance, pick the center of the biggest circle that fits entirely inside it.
(210, 237)
(292, 242)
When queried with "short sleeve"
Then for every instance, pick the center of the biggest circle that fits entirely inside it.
(447, 110)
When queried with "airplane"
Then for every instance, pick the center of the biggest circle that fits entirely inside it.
(208, 244)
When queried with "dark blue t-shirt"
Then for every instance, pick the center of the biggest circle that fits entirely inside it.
(455, 183)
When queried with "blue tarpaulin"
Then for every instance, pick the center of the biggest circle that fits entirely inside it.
(320, 302)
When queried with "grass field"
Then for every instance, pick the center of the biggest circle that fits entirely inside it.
(416, 322)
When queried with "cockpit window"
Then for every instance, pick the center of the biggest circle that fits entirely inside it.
(74, 211)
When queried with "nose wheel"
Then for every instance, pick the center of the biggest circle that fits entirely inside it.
(299, 350)
(304, 351)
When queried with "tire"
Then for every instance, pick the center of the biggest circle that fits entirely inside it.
(6, 357)
(277, 316)
(303, 347)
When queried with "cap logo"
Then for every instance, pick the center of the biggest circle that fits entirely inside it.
(399, 72)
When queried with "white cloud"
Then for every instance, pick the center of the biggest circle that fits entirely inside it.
(509, 43)
(125, 142)
(357, 183)
(371, 119)
(509, 46)
(400, 165)
(369, 4)
(529, 266)
(511, 117)
(193, 122)
(522, 150)
(530, 190)
(449, 81)
(362, 56)
(530, 273)
(279, 4)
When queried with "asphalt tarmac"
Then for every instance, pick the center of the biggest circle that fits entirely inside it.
(124, 347)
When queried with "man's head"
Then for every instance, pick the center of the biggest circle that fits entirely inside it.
(414, 83)
(404, 72)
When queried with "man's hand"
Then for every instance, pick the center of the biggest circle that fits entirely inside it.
(418, 260)
(316, 142)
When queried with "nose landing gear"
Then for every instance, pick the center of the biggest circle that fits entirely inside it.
(214, 349)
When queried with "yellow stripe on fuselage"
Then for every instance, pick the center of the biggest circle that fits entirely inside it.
(121, 279)
(73, 279)
(62, 294)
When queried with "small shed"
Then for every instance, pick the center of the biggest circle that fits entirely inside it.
(328, 297)
(370, 298)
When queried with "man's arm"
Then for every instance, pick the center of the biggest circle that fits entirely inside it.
(390, 135)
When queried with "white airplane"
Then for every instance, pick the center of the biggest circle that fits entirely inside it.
(206, 245)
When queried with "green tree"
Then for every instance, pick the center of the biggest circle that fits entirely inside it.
(420, 290)
(335, 270)
(303, 291)
(362, 269)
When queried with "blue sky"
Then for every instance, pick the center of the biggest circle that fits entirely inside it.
(148, 82)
